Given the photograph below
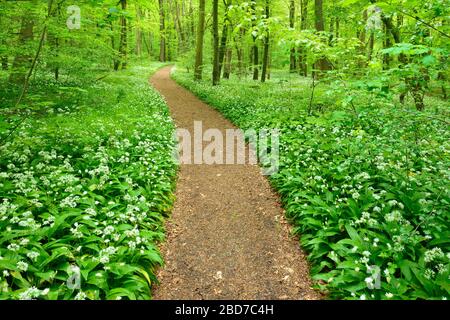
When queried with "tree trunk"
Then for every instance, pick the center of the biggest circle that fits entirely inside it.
(240, 53)
(116, 61)
(192, 22)
(4, 58)
(303, 68)
(266, 47)
(53, 40)
(162, 32)
(331, 32)
(255, 53)
(123, 35)
(371, 45)
(223, 39)
(227, 66)
(216, 62)
(292, 60)
(337, 28)
(138, 49)
(22, 60)
(322, 63)
(199, 46)
(386, 44)
(181, 30)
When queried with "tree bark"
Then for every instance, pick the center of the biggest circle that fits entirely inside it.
(266, 47)
(123, 36)
(240, 53)
(303, 68)
(292, 59)
(255, 53)
(216, 62)
(138, 49)
(199, 45)
(116, 61)
(162, 32)
(322, 63)
(22, 60)
(224, 37)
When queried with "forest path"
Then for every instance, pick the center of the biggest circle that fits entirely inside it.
(227, 237)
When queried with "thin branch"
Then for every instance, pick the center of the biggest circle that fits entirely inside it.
(425, 23)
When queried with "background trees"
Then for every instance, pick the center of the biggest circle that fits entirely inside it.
(405, 42)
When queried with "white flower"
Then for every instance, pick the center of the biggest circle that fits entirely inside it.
(392, 202)
(355, 195)
(389, 295)
(30, 293)
(13, 247)
(429, 274)
(22, 265)
(433, 254)
(362, 297)
(91, 211)
(80, 296)
(33, 255)
(108, 230)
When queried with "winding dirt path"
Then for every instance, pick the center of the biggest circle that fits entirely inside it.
(227, 237)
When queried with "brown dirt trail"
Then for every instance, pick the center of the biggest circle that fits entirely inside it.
(227, 237)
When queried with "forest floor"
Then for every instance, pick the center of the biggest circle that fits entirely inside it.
(227, 237)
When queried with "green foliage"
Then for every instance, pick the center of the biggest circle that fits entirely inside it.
(85, 188)
(362, 190)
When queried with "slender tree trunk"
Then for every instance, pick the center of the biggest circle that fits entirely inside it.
(331, 32)
(123, 35)
(199, 46)
(371, 45)
(162, 32)
(240, 53)
(227, 66)
(303, 67)
(22, 60)
(386, 44)
(224, 37)
(216, 62)
(255, 53)
(116, 61)
(181, 33)
(192, 22)
(54, 40)
(361, 35)
(4, 58)
(336, 34)
(322, 63)
(138, 49)
(266, 48)
(292, 60)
